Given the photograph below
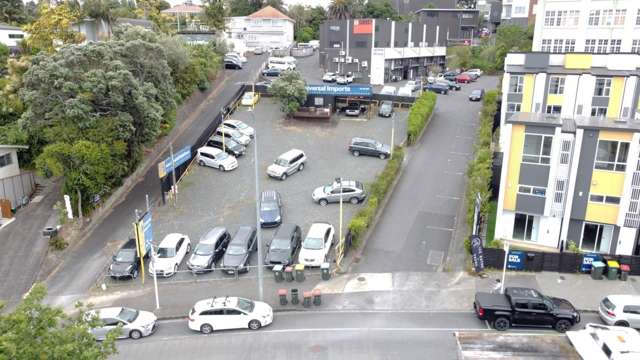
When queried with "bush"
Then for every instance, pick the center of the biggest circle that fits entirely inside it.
(57, 243)
(419, 115)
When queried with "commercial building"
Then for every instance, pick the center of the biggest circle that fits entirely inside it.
(374, 50)
(603, 26)
(266, 27)
(407, 7)
(11, 36)
(519, 12)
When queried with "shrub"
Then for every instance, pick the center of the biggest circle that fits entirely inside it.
(57, 243)
(419, 115)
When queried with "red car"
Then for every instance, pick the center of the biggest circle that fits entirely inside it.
(464, 78)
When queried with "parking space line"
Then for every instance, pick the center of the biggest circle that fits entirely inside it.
(354, 119)
(454, 172)
(487, 323)
(438, 228)
(448, 197)
(459, 153)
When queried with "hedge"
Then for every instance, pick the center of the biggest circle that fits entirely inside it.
(419, 115)
(479, 171)
(377, 191)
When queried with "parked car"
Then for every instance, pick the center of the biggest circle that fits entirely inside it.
(352, 191)
(209, 250)
(227, 144)
(451, 84)
(354, 109)
(236, 135)
(450, 75)
(365, 146)
(270, 209)
(232, 63)
(316, 244)
(272, 72)
(134, 323)
(250, 98)
(385, 109)
(126, 262)
(329, 77)
(620, 310)
(236, 258)
(463, 78)
(266, 83)
(414, 85)
(525, 307)
(388, 90)
(216, 158)
(236, 55)
(437, 88)
(282, 248)
(171, 251)
(288, 163)
(475, 72)
(344, 79)
(405, 91)
(239, 126)
(258, 51)
(474, 76)
(229, 312)
(476, 95)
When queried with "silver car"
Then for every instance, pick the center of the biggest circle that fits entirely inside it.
(135, 323)
(620, 310)
(236, 135)
(286, 164)
(352, 191)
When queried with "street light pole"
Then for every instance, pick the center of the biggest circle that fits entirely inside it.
(223, 142)
(340, 240)
(504, 267)
(258, 229)
(393, 128)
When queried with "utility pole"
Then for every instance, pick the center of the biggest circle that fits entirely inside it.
(173, 176)
(258, 228)
(223, 142)
(340, 254)
(393, 127)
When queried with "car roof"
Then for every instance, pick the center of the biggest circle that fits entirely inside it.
(171, 240)
(625, 299)
(109, 312)
(350, 183)
(129, 245)
(226, 139)
(213, 234)
(476, 91)
(217, 302)
(361, 139)
(284, 231)
(291, 153)
(209, 150)
(269, 195)
(242, 235)
(318, 229)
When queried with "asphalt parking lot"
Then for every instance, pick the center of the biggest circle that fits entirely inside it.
(209, 198)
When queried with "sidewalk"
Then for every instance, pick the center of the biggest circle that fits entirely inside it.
(368, 291)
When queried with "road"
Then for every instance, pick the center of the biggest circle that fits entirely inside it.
(320, 335)
(88, 260)
(418, 224)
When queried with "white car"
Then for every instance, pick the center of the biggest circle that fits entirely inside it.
(216, 158)
(329, 77)
(236, 135)
(344, 79)
(413, 85)
(388, 90)
(135, 323)
(287, 164)
(170, 253)
(316, 244)
(223, 313)
(240, 127)
(236, 54)
(476, 72)
(405, 91)
(620, 310)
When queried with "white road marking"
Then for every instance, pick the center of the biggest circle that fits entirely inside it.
(487, 323)
(438, 228)
(454, 173)
(459, 153)
(354, 119)
(448, 197)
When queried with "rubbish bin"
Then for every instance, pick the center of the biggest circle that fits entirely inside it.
(613, 267)
(597, 268)
(317, 297)
(299, 272)
(624, 271)
(306, 299)
(288, 273)
(282, 294)
(277, 273)
(294, 297)
(325, 270)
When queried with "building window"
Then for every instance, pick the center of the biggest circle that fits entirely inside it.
(523, 227)
(635, 46)
(604, 199)
(5, 160)
(507, 12)
(537, 149)
(607, 17)
(638, 18)
(602, 46)
(599, 111)
(513, 107)
(549, 18)
(573, 18)
(558, 196)
(16, 36)
(556, 85)
(553, 109)
(596, 237)
(516, 83)
(612, 155)
(570, 45)
(618, 20)
(532, 190)
(590, 45)
(615, 46)
(594, 17)
(603, 87)
(557, 45)
(546, 45)
(518, 10)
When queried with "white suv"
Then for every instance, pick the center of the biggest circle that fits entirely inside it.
(238, 125)
(286, 164)
(620, 310)
(316, 245)
(216, 158)
(170, 253)
(224, 313)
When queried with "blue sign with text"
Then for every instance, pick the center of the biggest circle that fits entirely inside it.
(147, 230)
(179, 158)
(339, 90)
(515, 260)
(587, 261)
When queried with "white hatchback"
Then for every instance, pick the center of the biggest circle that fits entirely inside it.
(170, 253)
(239, 126)
(316, 245)
(135, 323)
(223, 313)
(216, 158)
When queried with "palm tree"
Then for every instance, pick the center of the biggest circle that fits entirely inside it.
(340, 9)
(101, 10)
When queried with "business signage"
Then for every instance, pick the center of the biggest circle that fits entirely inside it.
(143, 232)
(363, 26)
(179, 158)
(476, 254)
(337, 90)
(515, 260)
(587, 261)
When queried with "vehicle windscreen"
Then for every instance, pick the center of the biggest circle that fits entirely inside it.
(280, 244)
(166, 252)
(327, 189)
(247, 96)
(281, 162)
(204, 249)
(242, 125)
(222, 156)
(235, 133)
(128, 315)
(246, 305)
(312, 243)
(236, 250)
(268, 206)
(128, 255)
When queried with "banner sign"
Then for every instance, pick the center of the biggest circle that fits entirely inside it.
(179, 158)
(515, 260)
(143, 232)
(477, 253)
(363, 26)
(338, 90)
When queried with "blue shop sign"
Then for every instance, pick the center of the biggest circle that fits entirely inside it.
(339, 90)
(515, 260)
(179, 158)
(587, 261)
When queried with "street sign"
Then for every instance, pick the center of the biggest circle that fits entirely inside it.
(477, 253)
(515, 260)
(179, 158)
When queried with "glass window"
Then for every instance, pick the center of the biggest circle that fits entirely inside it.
(615, 46)
(612, 155)
(598, 111)
(556, 85)
(602, 46)
(537, 149)
(553, 109)
(516, 83)
(638, 17)
(549, 18)
(538, 306)
(574, 18)
(635, 46)
(532, 190)
(596, 198)
(596, 237)
(5, 160)
(607, 17)
(594, 17)
(570, 45)
(590, 45)
(619, 17)
(557, 45)
(523, 227)
(513, 107)
(546, 45)
(603, 87)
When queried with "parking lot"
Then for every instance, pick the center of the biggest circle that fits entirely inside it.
(209, 197)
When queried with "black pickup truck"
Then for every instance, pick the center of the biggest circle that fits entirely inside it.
(525, 307)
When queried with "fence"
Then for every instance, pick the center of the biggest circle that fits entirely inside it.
(565, 262)
(18, 188)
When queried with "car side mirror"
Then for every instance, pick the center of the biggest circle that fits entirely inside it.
(113, 258)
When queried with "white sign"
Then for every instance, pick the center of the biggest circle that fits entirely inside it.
(67, 204)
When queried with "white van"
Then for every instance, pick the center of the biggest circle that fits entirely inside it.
(388, 90)
(281, 63)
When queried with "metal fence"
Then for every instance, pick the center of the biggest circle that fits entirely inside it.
(18, 189)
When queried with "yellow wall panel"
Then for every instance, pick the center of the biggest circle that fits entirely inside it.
(602, 213)
(513, 171)
(615, 135)
(527, 93)
(615, 97)
(607, 183)
(555, 99)
(577, 61)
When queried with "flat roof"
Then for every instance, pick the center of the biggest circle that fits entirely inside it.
(448, 10)
(535, 119)
(555, 69)
(576, 122)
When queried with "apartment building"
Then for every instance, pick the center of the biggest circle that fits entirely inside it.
(518, 12)
(267, 28)
(593, 26)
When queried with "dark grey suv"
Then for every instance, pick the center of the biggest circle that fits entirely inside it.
(270, 209)
(365, 146)
(236, 259)
(282, 249)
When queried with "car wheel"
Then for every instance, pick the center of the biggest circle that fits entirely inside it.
(323, 202)
(621, 323)
(206, 329)
(562, 325)
(382, 156)
(134, 275)
(135, 334)
(200, 162)
(354, 200)
(501, 324)
(221, 168)
(254, 325)
(356, 153)
(283, 177)
(301, 167)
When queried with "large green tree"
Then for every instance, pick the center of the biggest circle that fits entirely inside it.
(290, 89)
(510, 38)
(380, 9)
(12, 12)
(52, 29)
(340, 9)
(214, 14)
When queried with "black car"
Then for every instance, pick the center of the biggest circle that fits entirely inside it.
(232, 64)
(476, 95)
(451, 84)
(236, 258)
(126, 262)
(354, 109)
(230, 146)
(282, 249)
(364, 146)
(273, 72)
(525, 307)
(450, 75)
(385, 109)
(270, 209)
(437, 88)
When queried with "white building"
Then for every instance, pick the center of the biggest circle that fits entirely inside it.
(592, 26)
(15, 184)
(11, 36)
(517, 12)
(266, 27)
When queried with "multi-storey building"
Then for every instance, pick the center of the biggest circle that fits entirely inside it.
(267, 28)
(518, 12)
(602, 26)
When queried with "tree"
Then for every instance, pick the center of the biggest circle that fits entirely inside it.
(244, 7)
(467, 4)
(317, 15)
(304, 35)
(290, 90)
(36, 331)
(52, 29)
(101, 10)
(459, 57)
(511, 38)
(380, 9)
(214, 14)
(12, 12)
(340, 9)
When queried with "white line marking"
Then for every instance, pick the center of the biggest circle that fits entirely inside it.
(459, 153)
(438, 228)
(375, 311)
(487, 323)
(454, 173)
(448, 197)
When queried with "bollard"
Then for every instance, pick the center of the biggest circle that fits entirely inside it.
(316, 297)
(288, 273)
(299, 272)
(277, 273)
(294, 297)
(282, 293)
(325, 270)
(306, 299)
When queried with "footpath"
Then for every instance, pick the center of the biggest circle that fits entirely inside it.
(435, 292)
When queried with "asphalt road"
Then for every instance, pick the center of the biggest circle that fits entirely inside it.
(418, 224)
(88, 259)
(320, 335)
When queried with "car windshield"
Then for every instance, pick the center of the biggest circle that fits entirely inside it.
(230, 142)
(281, 162)
(327, 189)
(125, 255)
(204, 249)
(280, 244)
(128, 315)
(235, 133)
(236, 250)
(312, 243)
(222, 156)
(166, 252)
(246, 305)
(242, 125)
(248, 96)
(268, 206)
